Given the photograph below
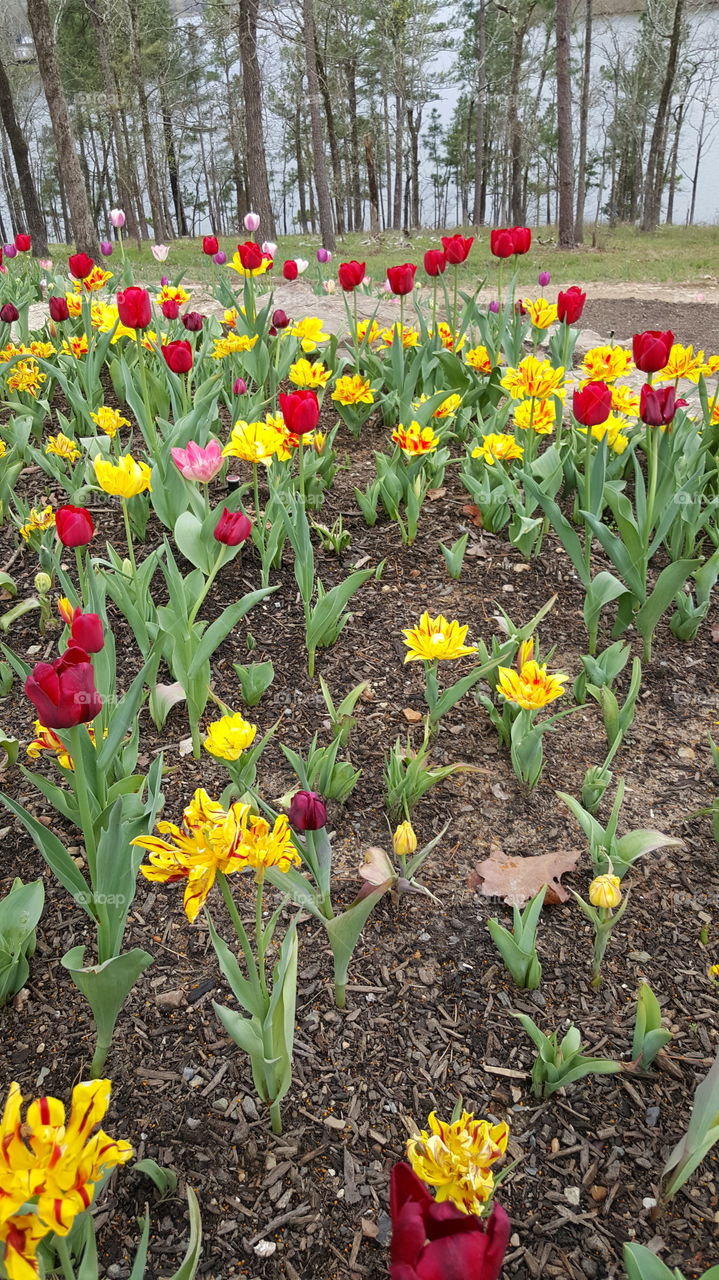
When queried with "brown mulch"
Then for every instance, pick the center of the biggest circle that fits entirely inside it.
(429, 1002)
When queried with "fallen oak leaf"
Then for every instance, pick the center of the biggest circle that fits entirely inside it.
(517, 879)
(412, 716)
(434, 494)
(474, 513)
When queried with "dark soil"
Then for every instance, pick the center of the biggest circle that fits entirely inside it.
(429, 1002)
(695, 323)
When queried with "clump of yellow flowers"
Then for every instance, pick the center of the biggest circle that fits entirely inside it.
(456, 1159)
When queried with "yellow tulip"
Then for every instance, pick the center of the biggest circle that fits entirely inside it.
(123, 479)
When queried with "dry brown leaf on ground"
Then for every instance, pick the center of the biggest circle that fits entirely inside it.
(516, 879)
(470, 509)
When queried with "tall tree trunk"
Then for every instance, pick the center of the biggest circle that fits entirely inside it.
(172, 161)
(258, 186)
(134, 185)
(514, 125)
(35, 221)
(674, 163)
(299, 161)
(398, 160)
(332, 137)
(565, 160)
(414, 124)
(159, 230)
(372, 186)
(584, 126)
(324, 199)
(11, 194)
(654, 181)
(98, 20)
(42, 33)
(351, 73)
(387, 158)
(480, 97)
(697, 163)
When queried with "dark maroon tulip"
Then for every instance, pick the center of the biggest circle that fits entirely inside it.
(350, 274)
(593, 404)
(74, 526)
(308, 811)
(570, 304)
(58, 309)
(9, 313)
(651, 349)
(457, 248)
(300, 410)
(193, 321)
(280, 319)
(658, 405)
(134, 307)
(232, 528)
(432, 1241)
(63, 692)
(87, 632)
(435, 262)
(401, 278)
(80, 264)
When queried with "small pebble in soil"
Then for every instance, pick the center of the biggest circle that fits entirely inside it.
(192, 1123)
(572, 1195)
(249, 1108)
(651, 1116)
(220, 1104)
(188, 1073)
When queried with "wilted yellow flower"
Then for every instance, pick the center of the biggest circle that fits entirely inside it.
(47, 740)
(38, 522)
(541, 313)
(535, 415)
(480, 360)
(63, 446)
(682, 363)
(457, 1159)
(410, 337)
(368, 328)
(436, 639)
(353, 389)
(415, 440)
(613, 429)
(13, 349)
(109, 420)
(76, 346)
(604, 364)
(26, 376)
(229, 736)
(262, 846)
(257, 442)
(404, 840)
(54, 1164)
(536, 378)
(310, 333)
(498, 447)
(172, 293)
(123, 479)
(309, 373)
(97, 279)
(530, 688)
(231, 344)
(625, 401)
(605, 891)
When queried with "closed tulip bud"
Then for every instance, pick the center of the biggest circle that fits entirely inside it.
(232, 528)
(106, 248)
(269, 247)
(592, 404)
(170, 309)
(570, 304)
(10, 251)
(178, 356)
(210, 245)
(87, 632)
(63, 692)
(164, 280)
(290, 269)
(74, 526)
(522, 238)
(43, 583)
(404, 840)
(401, 278)
(80, 264)
(658, 405)
(435, 262)
(280, 319)
(9, 313)
(239, 387)
(134, 307)
(350, 274)
(219, 258)
(432, 1240)
(605, 891)
(250, 255)
(501, 242)
(651, 349)
(117, 218)
(457, 248)
(251, 221)
(494, 307)
(543, 279)
(58, 309)
(159, 252)
(23, 243)
(193, 321)
(300, 410)
(308, 811)
(324, 255)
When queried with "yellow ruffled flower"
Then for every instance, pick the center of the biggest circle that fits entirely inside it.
(410, 337)
(97, 279)
(38, 522)
(369, 329)
(47, 740)
(229, 736)
(124, 478)
(498, 447)
(308, 373)
(613, 431)
(26, 376)
(533, 377)
(3, 448)
(229, 317)
(42, 349)
(605, 891)
(76, 346)
(74, 304)
(231, 344)
(542, 314)
(257, 442)
(625, 401)
(310, 333)
(535, 415)
(63, 446)
(530, 688)
(712, 365)
(172, 293)
(404, 840)
(450, 341)
(353, 389)
(713, 971)
(263, 846)
(456, 1159)
(605, 364)
(682, 363)
(415, 440)
(479, 359)
(109, 420)
(436, 639)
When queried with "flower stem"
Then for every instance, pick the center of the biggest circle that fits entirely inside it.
(210, 579)
(79, 781)
(81, 575)
(61, 1248)
(128, 535)
(259, 935)
(276, 1117)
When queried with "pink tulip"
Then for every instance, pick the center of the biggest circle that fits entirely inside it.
(196, 463)
(159, 252)
(269, 247)
(117, 218)
(252, 221)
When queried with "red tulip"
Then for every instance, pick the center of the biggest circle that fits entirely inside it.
(280, 319)
(23, 243)
(457, 248)
(232, 528)
(300, 410)
(522, 238)
(210, 245)
(435, 262)
(178, 356)
(63, 692)
(251, 255)
(593, 404)
(570, 304)
(657, 405)
(651, 349)
(308, 811)
(401, 279)
(290, 269)
(80, 264)
(170, 308)
(74, 526)
(87, 632)
(501, 242)
(432, 1241)
(58, 309)
(134, 307)
(350, 274)
(9, 313)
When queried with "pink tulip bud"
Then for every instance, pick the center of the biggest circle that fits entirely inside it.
(219, 258)
(543, 279)
(269, 247)
(239, 387)
(10, 251)
(117, 218)
(164, 280)
(106, 248)
(252, 221)
(324, 255)
(494, 307)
